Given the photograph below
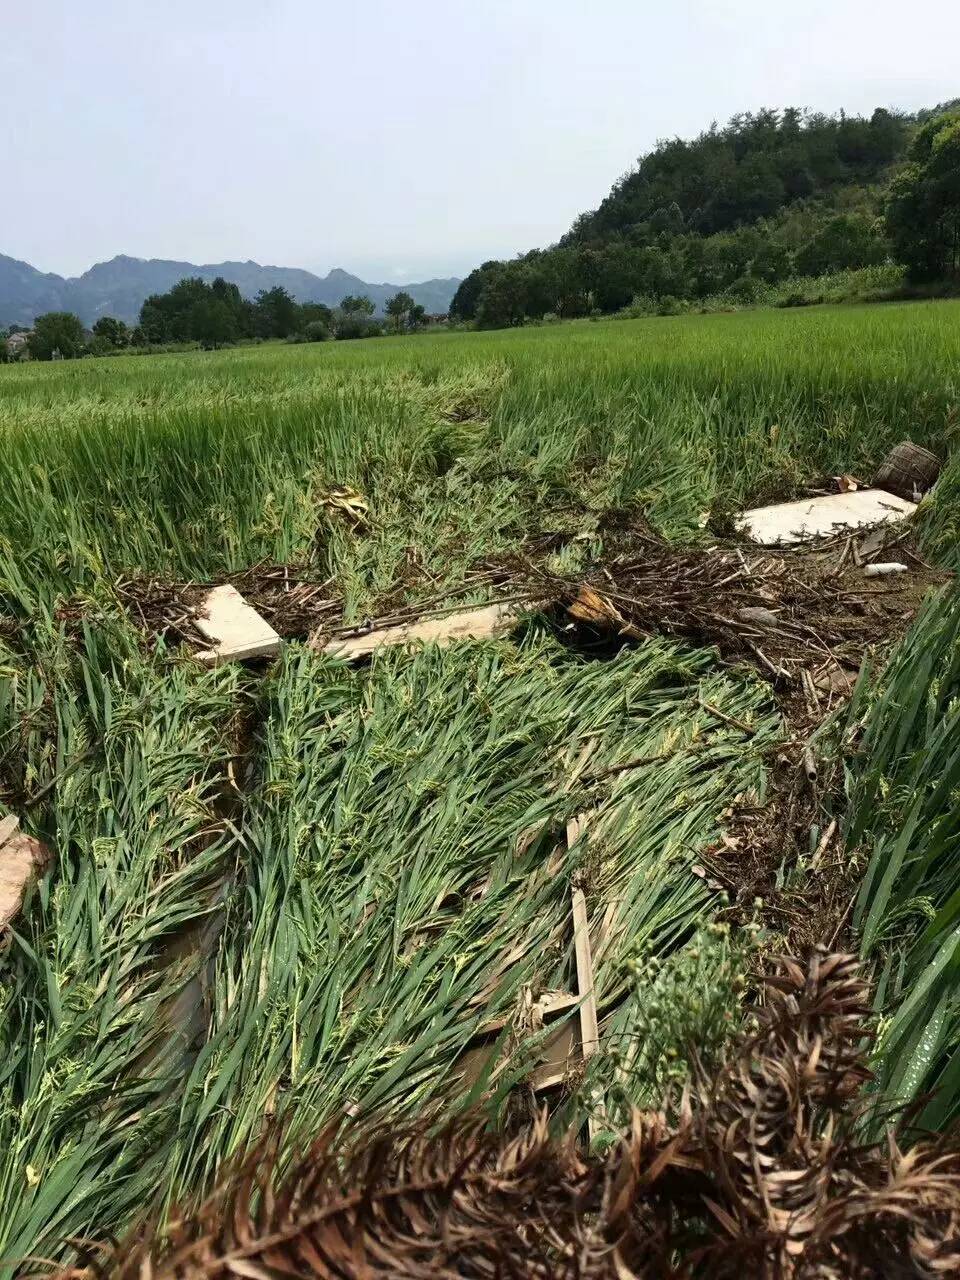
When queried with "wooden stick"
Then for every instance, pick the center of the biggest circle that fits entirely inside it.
(727, 719)
(589, 1026)
(822, 846)
(8, 827)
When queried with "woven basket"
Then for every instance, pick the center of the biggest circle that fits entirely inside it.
(908, 471)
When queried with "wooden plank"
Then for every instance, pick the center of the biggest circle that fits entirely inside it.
(558, 1053)
(234, 627)
(22, 858)
(589, 1027)
(589, 1023)
(7, 827)
(470, 624)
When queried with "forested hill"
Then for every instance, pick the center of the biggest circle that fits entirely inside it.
(768, 196)
(752, 169)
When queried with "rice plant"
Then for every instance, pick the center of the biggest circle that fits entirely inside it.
(903, 786)
(92, 972)
(303, 894)
(404, 872)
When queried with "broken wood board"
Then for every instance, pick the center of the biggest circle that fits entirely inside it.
(790, 522)
(471, 624)
(589, 1023)
(589, 1027)
(22, 859)
(234, 627)
(558, 1055)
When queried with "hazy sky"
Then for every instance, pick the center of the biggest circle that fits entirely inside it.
(398, 139)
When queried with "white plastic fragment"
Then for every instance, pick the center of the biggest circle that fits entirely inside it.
(789, 522)
(880, 570)
(234, 627)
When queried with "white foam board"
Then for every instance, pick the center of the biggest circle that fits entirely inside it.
(234, 628)
(788, 522)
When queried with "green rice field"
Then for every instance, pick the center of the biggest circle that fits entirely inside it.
(301, 890)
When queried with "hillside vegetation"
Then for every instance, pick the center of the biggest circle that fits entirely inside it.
(769, 199)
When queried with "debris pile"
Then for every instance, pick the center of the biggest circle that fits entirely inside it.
(804, 612)
(803, 617)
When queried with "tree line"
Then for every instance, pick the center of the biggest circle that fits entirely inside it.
(215, 314)
(769, 197)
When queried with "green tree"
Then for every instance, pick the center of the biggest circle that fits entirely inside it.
(172, 316)
(168, 317)
(503, 300)
(398, 308)
(354, 318)
(613, 276)
(358, 306)
(212, 323)
(155, 321)
(467, 297)
(570, 283)
(923, 207)
(316, 312)
(316, 331)
(114, 331)
(278, 313)
(844, 242)
(57, 332)
(417, 317)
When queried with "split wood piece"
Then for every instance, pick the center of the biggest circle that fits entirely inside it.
(22, 859)
(558, 1052)
(561, 1054)
(563, 1051)
(832, 679)
(589, 1025)
(473, 624)
(790, 522)
(581, 941)
(235, 628)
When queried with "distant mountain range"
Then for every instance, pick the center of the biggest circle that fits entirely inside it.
(118, 287)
